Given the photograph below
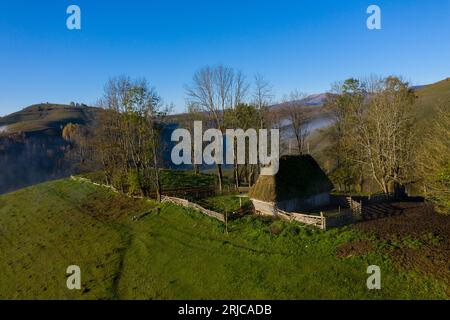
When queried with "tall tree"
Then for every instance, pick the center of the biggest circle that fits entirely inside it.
(262, 98)
(128, 135)
(345, 99)
(214, 90)
(376, 128)
(193, 113)
(244, 116)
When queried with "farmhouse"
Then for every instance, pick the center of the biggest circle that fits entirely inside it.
(299, 185)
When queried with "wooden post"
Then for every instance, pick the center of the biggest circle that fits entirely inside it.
(323, 226)
(226, 221)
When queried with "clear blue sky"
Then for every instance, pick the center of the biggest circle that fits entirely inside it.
(304, 45)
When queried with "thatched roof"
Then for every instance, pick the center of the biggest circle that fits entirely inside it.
(297, 177)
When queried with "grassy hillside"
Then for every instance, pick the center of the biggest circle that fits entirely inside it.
(32, 149)
(46, 228)
(431, 95)
(41, 117)
(176, 253)
(170, 179)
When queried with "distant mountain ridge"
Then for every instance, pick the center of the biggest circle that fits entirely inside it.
(319, 99)
(312, 100)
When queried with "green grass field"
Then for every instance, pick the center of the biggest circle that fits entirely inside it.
(176, 253)
(170, 179)
(225, 203)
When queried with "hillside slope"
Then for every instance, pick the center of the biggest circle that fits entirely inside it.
(176, 253)
(41, 117)
(46, 228)
(31, 145)
(430, 96)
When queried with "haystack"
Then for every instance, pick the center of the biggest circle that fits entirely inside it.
(299, 185)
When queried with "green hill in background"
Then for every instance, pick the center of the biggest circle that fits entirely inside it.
(41, 117)
(32, 149)
(428, 97)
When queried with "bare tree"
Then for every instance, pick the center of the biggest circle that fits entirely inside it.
(294, 113)
(262, 98)
(377, 129)
(214, 90)
(241, 89)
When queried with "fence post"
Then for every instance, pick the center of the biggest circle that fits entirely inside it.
(324, 225)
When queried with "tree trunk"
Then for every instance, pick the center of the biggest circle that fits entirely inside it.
(158, 186)
(158, 182)
(220, 176)
(250, 176)
(236, 176)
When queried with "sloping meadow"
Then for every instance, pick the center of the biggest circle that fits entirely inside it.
(177, 253)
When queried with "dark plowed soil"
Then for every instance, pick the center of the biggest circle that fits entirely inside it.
(415, 219)
(355, 248)
(427, 245)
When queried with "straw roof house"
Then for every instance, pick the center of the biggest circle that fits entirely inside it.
(299, 185)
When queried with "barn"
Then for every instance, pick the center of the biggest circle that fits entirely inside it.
(299, 185)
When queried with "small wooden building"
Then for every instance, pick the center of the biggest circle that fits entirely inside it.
(299, 185)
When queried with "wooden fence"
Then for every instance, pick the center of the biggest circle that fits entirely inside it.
(355, 206)
(191, 191)
(321, 221)
(192, 205)
(317, 221)
(81, 179)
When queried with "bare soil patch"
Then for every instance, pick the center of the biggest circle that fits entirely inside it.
(418, 238)
(354, 248)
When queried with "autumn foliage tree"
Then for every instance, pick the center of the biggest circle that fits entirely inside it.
(374, 131)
